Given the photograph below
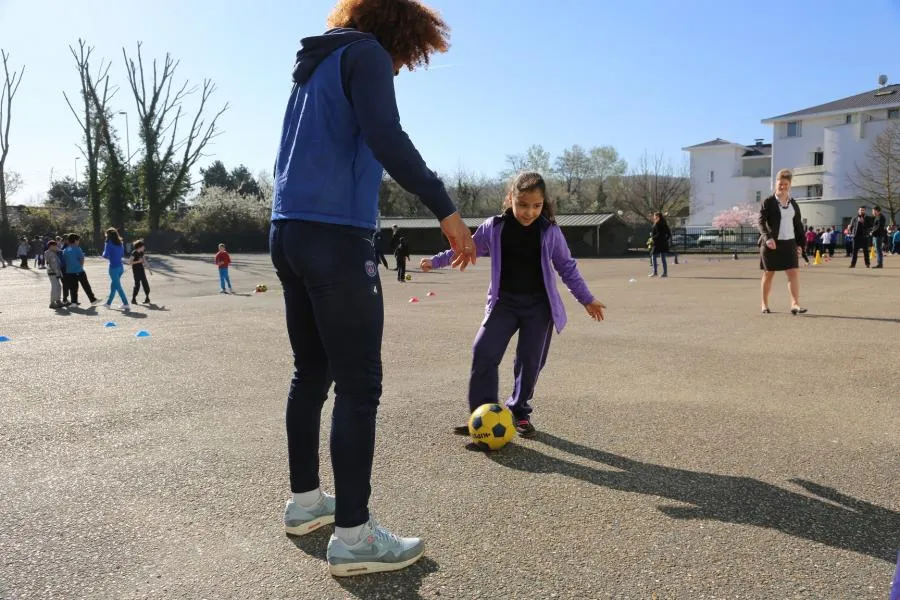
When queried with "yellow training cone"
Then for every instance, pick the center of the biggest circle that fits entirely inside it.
(818, 260)
(872, 253)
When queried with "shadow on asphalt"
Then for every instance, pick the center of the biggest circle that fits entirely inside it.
(836, 520)
(721, 278)
(881, 319)
(388, 586)
(152, 306)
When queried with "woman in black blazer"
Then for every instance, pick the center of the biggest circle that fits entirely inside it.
(781, 241)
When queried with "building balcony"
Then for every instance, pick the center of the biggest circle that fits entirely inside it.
(808, 175)
(809, 170)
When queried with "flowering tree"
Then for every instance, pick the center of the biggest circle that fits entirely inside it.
(739, 216)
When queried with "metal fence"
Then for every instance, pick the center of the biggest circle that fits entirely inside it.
(711, 240)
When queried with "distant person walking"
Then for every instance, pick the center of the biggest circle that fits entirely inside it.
(662, 237)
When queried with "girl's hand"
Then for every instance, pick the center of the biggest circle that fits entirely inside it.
(595, 310)
(425, 264)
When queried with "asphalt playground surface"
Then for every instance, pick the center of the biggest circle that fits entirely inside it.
(688, 447)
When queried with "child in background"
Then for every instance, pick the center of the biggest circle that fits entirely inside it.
(527, 246)
(223, 259)
(401, 253)
(73, 256)
(139, 272)
(54, 271)
(114, 252)
(22, 252)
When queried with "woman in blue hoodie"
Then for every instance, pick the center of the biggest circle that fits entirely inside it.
(114, 252)
(341, 132)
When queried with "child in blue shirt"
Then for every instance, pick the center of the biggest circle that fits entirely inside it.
(73, 258)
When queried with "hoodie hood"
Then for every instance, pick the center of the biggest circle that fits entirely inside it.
(315, 49)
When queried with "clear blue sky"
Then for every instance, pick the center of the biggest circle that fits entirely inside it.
(637, 75)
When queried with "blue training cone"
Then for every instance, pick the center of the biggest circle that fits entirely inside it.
(109, 324)
(895, 585)
(142, 333)
(3, 338)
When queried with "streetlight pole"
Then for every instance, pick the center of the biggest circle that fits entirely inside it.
(76, 171)
(127, 137)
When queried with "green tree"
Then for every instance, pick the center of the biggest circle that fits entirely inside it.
(169, 154)
(243, 182)
(114, 185)
(65, 193)
(216, 175)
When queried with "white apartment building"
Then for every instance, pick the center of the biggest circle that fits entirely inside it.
(822, 145)
(725, 174)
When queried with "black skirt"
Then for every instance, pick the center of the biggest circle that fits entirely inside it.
(782, 258)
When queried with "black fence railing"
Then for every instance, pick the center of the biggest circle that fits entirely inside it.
(711, 240)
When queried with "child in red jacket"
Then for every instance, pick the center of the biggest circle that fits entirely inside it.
(223, 259)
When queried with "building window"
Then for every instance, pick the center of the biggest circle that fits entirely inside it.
(818, 159)
(758, 197)
(894, 113)
(793, 129)
(712, 177)
(848, 119)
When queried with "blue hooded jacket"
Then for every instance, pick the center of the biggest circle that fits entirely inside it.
(341, 131)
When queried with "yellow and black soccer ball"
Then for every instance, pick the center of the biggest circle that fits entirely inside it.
(491, 426)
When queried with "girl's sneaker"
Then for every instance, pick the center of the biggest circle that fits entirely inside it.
(300, 521)
(378, 550)
(525, 428)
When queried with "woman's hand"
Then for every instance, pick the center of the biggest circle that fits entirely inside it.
(595, 310)
(461, 242)
(770, 244)
(425, 265)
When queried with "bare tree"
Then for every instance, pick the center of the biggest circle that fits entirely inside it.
(10, 83)
(516, 164)
(476, 195)
(573, 167)
(168, 158)
(12, 181)
(654, 186)
(87, 120)
(879, 181)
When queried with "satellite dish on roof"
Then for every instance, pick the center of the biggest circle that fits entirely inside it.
(882, 80)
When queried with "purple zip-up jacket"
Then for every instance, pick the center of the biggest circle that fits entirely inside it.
(554, 253)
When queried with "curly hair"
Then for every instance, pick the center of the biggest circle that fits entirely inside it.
(410, 31)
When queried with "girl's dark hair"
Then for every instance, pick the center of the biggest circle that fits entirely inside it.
(113, 236)
(139, 244)
(530, 181)
(410, 31)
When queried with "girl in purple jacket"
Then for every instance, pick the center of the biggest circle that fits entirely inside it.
(525, 246)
